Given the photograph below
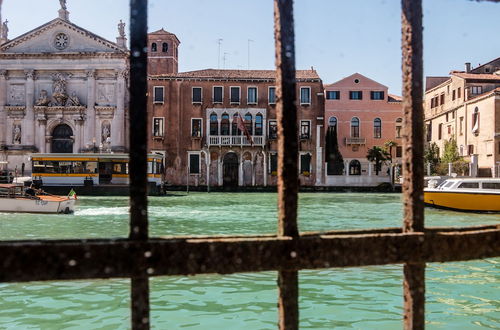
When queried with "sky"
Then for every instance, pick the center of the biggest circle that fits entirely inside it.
(337, 38)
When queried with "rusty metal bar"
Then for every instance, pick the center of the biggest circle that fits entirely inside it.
(286, 110)
(138, 161)
(288, 155)
(86, 259)
(413, 166)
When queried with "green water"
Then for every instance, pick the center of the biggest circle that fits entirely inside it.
(461, 295)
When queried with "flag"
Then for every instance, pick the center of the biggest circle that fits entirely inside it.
(242, 127)
(72, 194)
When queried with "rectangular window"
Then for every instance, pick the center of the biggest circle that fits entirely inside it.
(194, 163)
(449, 129)
(377, 95)
(453, 95)
(476, 90)
(333, 95)
(158, 95)
(305, 164)
(272, 95)
(447, 116)
(218, 94)
(377, 131)
(441, 99)
(305, 95)
(305, 129)
(355, 95)
(459, 92)
(273, 130)
(429, 132)
(196, 127)
(235, 94)
(252, 95)
(273, 164)
(453, 115)
(197, 94)
(158, 126)
(399, 151)
(461, 127)
(440, 131)
(470, 149)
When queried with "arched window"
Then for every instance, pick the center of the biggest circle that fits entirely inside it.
(234, 128)
(399, 125)
(332, 121)
(355, 127)
(214, 125)
(154, 47)
(164, 47)
(224, 124)
(377, 128)
(475, 121)
(258, 125)
(355, 167)
(248, 123)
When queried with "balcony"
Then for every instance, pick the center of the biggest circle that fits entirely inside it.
(355, 141)
(231, 140)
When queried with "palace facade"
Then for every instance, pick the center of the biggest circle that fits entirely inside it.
(465, 106)
(63, 89)
(364, 115)
(218, 127)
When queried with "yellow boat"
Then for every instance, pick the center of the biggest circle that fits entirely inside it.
(465, 194)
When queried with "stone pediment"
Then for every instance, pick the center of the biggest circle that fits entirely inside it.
(60, 37)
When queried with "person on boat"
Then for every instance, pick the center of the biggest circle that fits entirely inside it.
(30, 191)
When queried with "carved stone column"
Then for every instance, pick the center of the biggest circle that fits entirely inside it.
(42, 127)
(118, 123)
(28, 129)
(3, 101)
(89, 132)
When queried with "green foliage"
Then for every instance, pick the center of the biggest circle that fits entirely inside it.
(388, 145)
(431, 156)
(378, 156)
(450, 153)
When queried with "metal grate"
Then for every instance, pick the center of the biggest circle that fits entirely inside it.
(289, 250)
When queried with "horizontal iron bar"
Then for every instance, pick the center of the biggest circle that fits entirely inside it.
(87, 259)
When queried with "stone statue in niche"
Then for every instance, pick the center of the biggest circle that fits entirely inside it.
(16, 134)
(59, 96)
(73, 100)
(121, 29)
(106, 133)
(43, 99)
(5, 30)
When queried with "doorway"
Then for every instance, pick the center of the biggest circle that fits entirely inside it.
(230, 170)
(62, 141)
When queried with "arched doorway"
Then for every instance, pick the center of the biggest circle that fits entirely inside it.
(355, 167)
(62, 141)
(230, 170)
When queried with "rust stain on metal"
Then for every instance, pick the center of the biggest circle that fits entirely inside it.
(286, 109)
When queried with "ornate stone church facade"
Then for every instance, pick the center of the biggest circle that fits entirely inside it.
(63, 89)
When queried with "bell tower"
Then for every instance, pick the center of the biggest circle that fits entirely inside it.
(162, 53)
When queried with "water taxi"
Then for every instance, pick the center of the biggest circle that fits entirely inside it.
(465, 194)
(15, 198)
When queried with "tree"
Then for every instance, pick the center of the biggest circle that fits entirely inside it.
(378, 156)
(431, 156)
(450, 153)
(389, 145)
(334, 159)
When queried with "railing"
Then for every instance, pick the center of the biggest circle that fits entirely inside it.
(354, 140)
(234, 140)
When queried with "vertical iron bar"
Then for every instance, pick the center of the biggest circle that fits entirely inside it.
(413, 165)
(138, 158)
(286, 109)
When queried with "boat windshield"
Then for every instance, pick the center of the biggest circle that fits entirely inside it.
(445, 184)
(466, 185)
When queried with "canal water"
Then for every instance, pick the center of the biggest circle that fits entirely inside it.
(460, 295)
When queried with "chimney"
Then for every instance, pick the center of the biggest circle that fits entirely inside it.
(467, 67)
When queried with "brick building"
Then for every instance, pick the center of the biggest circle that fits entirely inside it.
(466, 106)
(365, 115)
(194, 118)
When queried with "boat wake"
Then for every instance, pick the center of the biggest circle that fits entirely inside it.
(103, 211)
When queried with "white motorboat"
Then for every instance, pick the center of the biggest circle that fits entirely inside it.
(14, 198)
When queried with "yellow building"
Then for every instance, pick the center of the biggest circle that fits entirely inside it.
(466, 106)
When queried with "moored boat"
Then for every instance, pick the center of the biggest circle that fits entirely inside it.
(14, 198)
(465, 194)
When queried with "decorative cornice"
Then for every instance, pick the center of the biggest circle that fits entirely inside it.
(59, 22)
